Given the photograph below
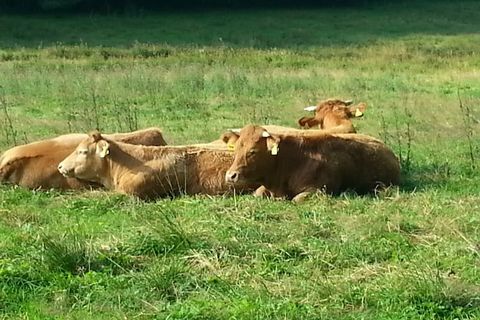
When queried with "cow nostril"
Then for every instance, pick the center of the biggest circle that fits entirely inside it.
(231, 176)
(62, 169)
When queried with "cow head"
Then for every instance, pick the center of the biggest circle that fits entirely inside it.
(230, 137)
(88, 160)
(331, 113)
(255, 152)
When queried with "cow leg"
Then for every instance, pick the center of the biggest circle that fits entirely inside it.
(263, 192)
(299, 198)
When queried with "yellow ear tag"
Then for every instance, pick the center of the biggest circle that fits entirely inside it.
(230, 147)
(358, 113)
(104, 152)
(275, 149)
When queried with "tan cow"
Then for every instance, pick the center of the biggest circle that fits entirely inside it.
(230, 137)
(34, 165)
(150, 172)
(331, 116)
(334, 115)
(292, 167)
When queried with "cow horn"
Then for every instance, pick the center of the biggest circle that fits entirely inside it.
(234, 130)
(348, 102)
(310, 108)
(265, 134)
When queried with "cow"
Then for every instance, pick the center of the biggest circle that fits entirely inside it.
(34, 165)
(150, 172)
(293, 166)
(230, 137)
(333, 115)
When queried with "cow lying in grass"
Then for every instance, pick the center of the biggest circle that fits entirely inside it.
(331, 116)
(334, 115)
(34, 165)
(291, 166)
(230, 137)
(150, 172)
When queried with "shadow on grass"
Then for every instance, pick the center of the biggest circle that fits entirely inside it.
(426, 176)
(259, 28)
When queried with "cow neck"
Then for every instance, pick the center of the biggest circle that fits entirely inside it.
(293, 153)
(286, 161)
(121, 160)
(125, 160)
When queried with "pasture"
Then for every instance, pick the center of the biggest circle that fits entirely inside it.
(411, 252)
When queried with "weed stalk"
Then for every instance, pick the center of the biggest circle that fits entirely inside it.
(468, 128)
(8, 127)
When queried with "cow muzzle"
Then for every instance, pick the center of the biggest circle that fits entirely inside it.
(231, 176)
(64, 171)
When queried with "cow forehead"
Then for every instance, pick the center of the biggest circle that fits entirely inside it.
(331, 104)
(340, 110)
(251, 131)
(250, 135)
(85, 144)
(334, 102)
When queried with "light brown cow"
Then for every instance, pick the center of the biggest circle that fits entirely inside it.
(34, 165)
(292, 167)
(150, 172)
(230, 137)
(334, 115)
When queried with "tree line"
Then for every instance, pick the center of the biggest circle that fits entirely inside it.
(119, 6)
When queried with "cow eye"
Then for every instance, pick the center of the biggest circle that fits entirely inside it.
(252, 151)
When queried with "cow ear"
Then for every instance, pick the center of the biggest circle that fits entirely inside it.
(229, 137)
(308, 122)
(103, 148)
(303, 122)
(358, 110)
(272, 144)
(95, 135)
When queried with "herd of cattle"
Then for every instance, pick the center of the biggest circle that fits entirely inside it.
(269, 160)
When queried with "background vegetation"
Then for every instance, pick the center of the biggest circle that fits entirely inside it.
(133, 6)
(408, 253)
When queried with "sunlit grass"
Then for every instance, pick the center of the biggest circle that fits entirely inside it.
(407, 253)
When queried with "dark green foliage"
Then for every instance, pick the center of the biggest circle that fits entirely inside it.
(139, 6)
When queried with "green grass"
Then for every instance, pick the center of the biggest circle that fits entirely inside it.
(407, 253)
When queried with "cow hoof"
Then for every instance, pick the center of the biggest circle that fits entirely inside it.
(263, 192)
(299, 198)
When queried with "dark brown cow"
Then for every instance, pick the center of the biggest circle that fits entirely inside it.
(292, 166)
(150, 172)
(34, 165)
(334, 115)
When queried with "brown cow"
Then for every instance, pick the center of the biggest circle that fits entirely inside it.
(334, 115)
(150, 172)
(230, 137)
(291, 166)
(34, 165)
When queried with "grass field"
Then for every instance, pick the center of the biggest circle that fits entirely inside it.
(411, 252)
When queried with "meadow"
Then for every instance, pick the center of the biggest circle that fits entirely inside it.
(410, 252)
